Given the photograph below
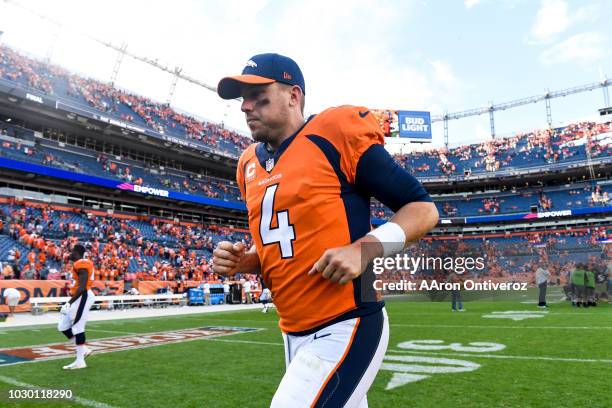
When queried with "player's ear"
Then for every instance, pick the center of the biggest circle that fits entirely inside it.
(296, 96)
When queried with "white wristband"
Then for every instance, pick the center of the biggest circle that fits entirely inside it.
(391, 236)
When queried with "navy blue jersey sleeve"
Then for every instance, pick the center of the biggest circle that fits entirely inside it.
(381, 177)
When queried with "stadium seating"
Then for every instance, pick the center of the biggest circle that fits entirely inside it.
(80, 160)
(157, 249)
(519, 201)
(539, 148)
(76, 159)
(150, 246)
(134, 109)
(519, 254)
(542, 147)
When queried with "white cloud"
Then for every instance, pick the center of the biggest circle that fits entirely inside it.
(447, 87)
(481, 132)
(347, 57)
(443, 73)
(555, 17)
(345, 48)
(552, 19)
(583, 49)
(470, 3)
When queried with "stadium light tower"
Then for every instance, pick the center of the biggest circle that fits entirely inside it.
(604, 84)
(146, 60)
(492, 119)
(605, 90)
(53, 43)
(175, 78)
(446, 130)
(548, 109)
(118, 61)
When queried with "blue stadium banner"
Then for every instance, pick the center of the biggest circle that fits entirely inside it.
(415, 125)
(116, 184)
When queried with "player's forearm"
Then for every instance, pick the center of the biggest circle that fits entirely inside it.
(416, 219)
(78, 294)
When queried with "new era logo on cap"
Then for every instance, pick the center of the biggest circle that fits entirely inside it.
(262, 69)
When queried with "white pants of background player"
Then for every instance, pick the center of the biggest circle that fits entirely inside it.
(335, 366)
(76, 318)
(12, 296)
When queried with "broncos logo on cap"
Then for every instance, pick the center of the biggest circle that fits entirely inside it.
(251, 63)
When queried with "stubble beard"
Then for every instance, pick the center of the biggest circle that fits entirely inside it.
(260, 136)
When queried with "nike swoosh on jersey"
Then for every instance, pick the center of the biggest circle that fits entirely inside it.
(320, 337)
(363, 114)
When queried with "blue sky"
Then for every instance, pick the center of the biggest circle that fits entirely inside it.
(422, 55)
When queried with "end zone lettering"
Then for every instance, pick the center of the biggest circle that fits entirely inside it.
(53, 351)
(150, 190)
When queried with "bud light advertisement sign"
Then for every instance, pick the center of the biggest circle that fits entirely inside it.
(415, 125)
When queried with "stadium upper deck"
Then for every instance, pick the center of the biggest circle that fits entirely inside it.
(135, 109)
(567, 145)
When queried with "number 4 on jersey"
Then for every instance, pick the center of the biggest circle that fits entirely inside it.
(284, 233)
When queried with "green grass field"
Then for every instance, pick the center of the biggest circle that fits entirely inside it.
(563, 359)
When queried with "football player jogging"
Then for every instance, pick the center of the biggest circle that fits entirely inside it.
(74, 312)
(307, 186)
(12, 296)
(265, 298)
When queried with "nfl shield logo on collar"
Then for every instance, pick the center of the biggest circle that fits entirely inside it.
(269, 164)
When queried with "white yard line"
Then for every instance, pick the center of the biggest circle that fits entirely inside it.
(210, 319)
(4, 330)
(504, 327)
(501, 356)
(26, 319)
(474, 355)
(264, 343)
(111, 331)
(81, 401)
(550, 312)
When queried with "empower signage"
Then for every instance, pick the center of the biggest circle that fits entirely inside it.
(144, 189)
(103, 182)
(540, 215)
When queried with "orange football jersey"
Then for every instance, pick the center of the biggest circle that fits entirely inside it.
(82, 264)
(301, 201)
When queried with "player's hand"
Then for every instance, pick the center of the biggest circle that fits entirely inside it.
(342, 264)
(227, 257)
(65, 308)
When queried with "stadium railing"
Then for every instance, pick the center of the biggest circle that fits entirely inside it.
(41, 304)
(517, 171)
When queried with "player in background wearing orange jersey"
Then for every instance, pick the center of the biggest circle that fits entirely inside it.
(74, 313)
(307, 186)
